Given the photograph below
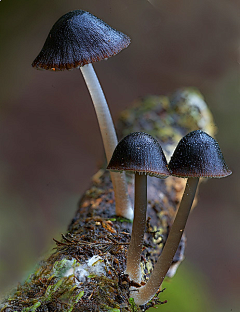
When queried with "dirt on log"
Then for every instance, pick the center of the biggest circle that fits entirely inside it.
(86, 270)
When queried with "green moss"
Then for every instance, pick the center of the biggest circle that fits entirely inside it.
(74, 300)
(33, 307)
(51, 290)
(121, 219)
(61, 267)
(107, 308)
(112, 219)
(134, 307)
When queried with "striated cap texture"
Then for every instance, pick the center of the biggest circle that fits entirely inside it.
(198, 155)
(139, 152)
(79, 38)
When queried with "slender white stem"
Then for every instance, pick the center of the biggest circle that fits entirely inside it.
(109, 137)
(145, 293)
(133, 268)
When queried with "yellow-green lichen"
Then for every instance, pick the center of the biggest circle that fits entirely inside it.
(165, 117)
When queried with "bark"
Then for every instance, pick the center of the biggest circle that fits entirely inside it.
(86, 270)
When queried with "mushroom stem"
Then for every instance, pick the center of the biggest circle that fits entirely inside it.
(133, 268)
(109, 137)
(107, 129)
(145, 293)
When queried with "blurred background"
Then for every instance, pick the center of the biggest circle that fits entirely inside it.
(50, 145)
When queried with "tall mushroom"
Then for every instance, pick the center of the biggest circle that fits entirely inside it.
(196, 155)
(79, 39)
(142, 155)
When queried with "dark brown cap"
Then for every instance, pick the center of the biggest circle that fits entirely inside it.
(198, 155)
(79, 38)
(139, 152)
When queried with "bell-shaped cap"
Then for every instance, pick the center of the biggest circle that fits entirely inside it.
(198, 155)
(139, 152)
(79, 38)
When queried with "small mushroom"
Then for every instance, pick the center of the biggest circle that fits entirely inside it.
(141, 154)
(196, 155)
(79, 39)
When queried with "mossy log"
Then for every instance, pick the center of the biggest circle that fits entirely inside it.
(86, 270)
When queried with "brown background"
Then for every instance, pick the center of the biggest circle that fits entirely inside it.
(49, 139)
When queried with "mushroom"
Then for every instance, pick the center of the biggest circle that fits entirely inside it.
(196, 155)
(141, 154)
(79, 39)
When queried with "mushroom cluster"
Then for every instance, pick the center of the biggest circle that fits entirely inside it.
(197, 155)
(79, 39)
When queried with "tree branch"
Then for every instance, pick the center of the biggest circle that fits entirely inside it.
(86, 270)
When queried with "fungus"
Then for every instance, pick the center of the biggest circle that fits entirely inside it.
(196, 155)
(77, 40)
(141, 154)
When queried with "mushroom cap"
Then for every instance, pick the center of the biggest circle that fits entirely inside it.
(198, 155)
(79, 38)
(139, 152)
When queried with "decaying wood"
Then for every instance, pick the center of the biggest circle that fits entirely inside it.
(86, 271)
